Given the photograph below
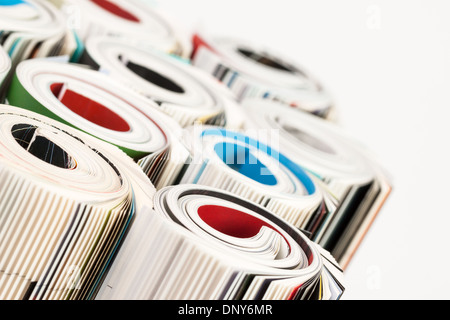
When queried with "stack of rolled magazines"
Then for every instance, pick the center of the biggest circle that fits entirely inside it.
(141, 162)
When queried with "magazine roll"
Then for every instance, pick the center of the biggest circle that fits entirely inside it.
(31, 29)
(142, 23)
(94, 103)
(252, 70)
(347, 169)
(201, 243)
(235, 162)
(66, 202)
(185, 93)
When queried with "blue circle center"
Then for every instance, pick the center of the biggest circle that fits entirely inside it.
(242, 160)
(11, 2)
(290, 165)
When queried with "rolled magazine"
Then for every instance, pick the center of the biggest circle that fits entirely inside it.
(185, 93)
(92, 102)
(346, 170)
(206, 244)
(66, 202)
(31, 29)
(139, 22)
(251, 70)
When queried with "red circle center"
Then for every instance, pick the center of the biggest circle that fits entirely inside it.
(232, 222)
(89, 109)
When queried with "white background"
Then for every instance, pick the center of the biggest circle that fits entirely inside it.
(387, 64)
